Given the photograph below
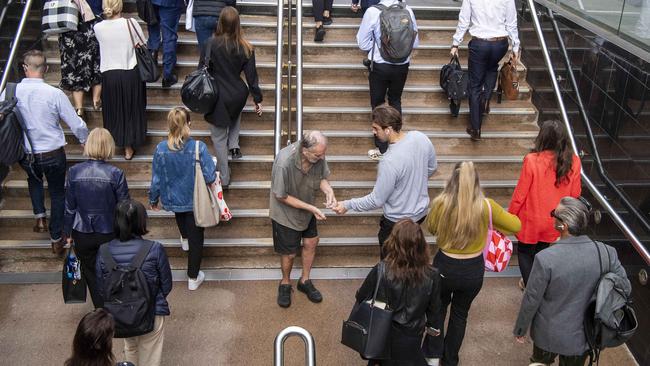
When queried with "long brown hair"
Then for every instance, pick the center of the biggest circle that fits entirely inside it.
(407, 254)
(553, 137)
(93, 341)
(229, 30)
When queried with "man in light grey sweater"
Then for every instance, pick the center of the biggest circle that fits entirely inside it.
(401, 188)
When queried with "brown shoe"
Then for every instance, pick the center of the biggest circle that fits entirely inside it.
(58, 247)
(41, 225)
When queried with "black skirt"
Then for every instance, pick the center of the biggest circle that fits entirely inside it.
(124, 100)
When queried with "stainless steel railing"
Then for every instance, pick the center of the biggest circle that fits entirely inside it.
(3, 15)
(310, 346)
(277, 134)
(298, 70)
(629, 234)
(15, 43)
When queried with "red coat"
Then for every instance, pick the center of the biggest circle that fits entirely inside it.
(536, 195)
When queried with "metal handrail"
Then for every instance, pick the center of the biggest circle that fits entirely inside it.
(4, 11)
(298, 70)
(310, 346)
(277, 136)
(645, 254)
(15, 43)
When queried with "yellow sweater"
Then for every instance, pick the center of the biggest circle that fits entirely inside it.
(501, 220)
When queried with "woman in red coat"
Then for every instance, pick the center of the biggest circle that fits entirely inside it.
(550, 171)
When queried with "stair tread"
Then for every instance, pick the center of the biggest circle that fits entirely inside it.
(336, 158)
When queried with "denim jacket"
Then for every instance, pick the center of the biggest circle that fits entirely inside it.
(172, 179)
(93, 188)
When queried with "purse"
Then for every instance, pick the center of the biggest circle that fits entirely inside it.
(73, 284)
(368, 327)
(146, 12)
(147, 65)
(206, 209)
(498, 248)
(199, 91)
(59, 16)
(508, 82)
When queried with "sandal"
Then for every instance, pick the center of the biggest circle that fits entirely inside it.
(80, 112)
(97, 104)
(127, 156)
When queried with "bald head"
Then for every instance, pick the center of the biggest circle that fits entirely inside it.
(314, 146)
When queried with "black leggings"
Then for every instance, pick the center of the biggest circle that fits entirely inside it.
(387, 80)
(194, 235)
(319, 6)
(86, 246)
(526, 254)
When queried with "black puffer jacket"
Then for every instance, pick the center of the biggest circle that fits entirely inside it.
(412, 306)
(210, 7)
(155, 268)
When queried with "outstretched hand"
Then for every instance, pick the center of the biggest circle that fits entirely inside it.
(340, 209)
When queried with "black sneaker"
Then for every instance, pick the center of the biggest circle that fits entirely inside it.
(308, 288)
(319, 35)
(166, 83)
(236, 153)
(284, 296)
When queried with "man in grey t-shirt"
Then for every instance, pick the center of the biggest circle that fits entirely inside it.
(298, 172)
(401, 189)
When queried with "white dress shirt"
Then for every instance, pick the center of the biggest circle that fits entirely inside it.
(370, 32)
(488, 19)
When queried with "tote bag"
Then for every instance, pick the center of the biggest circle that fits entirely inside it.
(199, 92)
(147, 66)
(498, 248)
(73, 283)
(367, 329)
(59, 16)
(206, 209)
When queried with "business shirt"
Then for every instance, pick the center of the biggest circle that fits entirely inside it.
(42, 106)
(488, 19)
(370, 32)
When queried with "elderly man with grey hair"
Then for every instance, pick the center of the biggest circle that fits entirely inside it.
(299, 170)
(561, 285)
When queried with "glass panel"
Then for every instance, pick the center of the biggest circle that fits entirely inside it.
(635, 24)
(605, 12)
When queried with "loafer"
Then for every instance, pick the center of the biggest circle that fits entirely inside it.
(327, 20)
(235, 153)
(168, 82)
(312, 293)
(58, 247)
(284, 296)
(41, 225)
(474, 135)
(319, 35)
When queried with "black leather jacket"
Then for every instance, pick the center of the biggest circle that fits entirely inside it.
(413, 306)
(93, 188)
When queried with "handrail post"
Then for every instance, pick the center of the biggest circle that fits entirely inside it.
(15, 43)
(310, 347)
(289, 68)
(645, 254)
(278, 80)
(298, 70)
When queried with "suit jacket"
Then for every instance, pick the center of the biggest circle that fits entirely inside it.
(561, 284)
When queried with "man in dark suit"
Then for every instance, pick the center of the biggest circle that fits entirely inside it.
(169, 14)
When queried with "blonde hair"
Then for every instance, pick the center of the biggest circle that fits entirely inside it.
(112, 7)
(178, 120)
(460, 209)
(99, 145)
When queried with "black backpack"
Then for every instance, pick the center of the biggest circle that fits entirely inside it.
(11, 128)
(454, 81)
(127, 296)
(609, 320)
(396, 33)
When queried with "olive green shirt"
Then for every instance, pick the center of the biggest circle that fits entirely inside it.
(288, 179)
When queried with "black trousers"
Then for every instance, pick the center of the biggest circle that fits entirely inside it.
(387, 80)
(526, 255)
(86, 246)
(319, 6)
(385, 227)
(405, 349)
(462, 280)
(194, 235)
(483, 64)
(545, 357)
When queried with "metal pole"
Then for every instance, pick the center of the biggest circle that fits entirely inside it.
(278, 80)
(558, 95)
(310, 347)
(298, 70)
(15, 43)
(289, 70)
(4, 11)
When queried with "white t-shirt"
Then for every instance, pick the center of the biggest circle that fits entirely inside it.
(115, 45)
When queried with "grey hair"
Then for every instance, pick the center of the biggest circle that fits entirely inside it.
(573, 213)
(313, 138)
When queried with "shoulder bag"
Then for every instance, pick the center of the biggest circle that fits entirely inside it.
(199, 91)
(147, 66)
(59, 16)
(498, 248)
(206, 209)
(368, 327)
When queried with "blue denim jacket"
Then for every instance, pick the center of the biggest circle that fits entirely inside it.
(172, 179)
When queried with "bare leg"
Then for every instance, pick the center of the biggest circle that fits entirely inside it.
(97, 95)
(128, 152)
(308, 254)
(287, 265)
(78, 99)
(319, 24)
(326, 14)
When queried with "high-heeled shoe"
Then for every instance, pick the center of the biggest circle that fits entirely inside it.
(80, 112)
(97, 104)
(127, 156)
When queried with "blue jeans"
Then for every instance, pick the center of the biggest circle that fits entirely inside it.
(53, 167)
(204, 26)
(169, 18)
(483, 64)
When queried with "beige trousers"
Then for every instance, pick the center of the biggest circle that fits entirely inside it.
(146, 350)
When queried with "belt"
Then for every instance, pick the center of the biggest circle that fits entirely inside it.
(493, 39)
(48, 153)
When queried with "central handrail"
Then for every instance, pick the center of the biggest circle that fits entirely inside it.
(4, 11)
(640, 248)
(277, 133)
(310, 346)
(15, 43)
(298, 70)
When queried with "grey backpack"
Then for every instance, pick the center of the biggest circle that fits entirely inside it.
(397, 34)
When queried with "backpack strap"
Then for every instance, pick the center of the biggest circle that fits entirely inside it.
(142, 254)
(107, 256)
(10, 91)
(600, 259)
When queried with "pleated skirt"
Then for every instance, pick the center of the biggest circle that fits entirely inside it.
(124, 100)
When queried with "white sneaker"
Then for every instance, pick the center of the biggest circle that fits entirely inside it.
(374, 154)
(184, 244)
(194, 284)
(433, 361)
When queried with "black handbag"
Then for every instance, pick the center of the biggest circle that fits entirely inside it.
(146, 12)
(199, 92)
(72, 281)
(147, 66)
(368, 327)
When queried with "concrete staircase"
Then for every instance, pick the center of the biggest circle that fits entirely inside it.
(336, 101)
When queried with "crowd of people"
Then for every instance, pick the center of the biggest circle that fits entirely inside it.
(92, 211)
